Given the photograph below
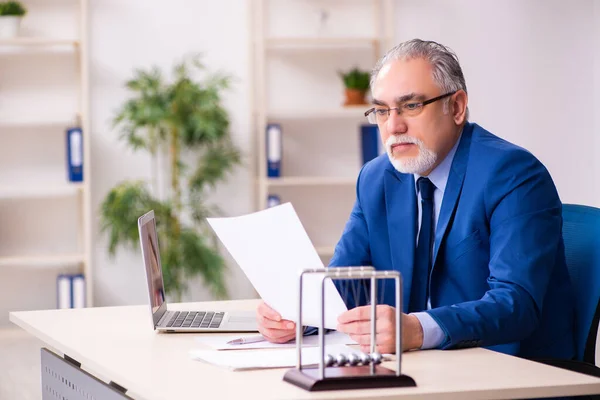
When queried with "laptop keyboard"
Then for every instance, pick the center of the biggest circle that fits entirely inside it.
(193, 319)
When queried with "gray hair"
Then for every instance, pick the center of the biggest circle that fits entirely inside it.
(447, 73)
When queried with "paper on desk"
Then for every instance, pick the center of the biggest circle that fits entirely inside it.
(219, 342)
(266, 358)
(272, 248)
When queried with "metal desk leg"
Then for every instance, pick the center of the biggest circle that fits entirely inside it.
(62, 378)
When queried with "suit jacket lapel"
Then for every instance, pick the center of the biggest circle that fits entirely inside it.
(453, 188)
(401, 208)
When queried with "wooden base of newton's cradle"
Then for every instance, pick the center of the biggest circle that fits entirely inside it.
(343, 378)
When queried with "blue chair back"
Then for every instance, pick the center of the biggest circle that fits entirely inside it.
(581, 234)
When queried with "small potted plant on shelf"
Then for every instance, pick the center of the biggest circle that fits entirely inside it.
(357, 84)
(11, 13)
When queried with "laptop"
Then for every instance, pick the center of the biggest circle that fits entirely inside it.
(182, 321)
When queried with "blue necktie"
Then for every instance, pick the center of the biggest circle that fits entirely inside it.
(422, 267)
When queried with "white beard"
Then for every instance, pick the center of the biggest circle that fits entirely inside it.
(423, 162)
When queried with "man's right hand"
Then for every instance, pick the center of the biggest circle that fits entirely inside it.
(272, 326)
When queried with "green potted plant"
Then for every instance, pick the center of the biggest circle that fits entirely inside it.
(357, 84)
(184, 118)
(11, 13)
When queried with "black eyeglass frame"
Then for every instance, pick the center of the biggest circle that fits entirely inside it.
(423, 103)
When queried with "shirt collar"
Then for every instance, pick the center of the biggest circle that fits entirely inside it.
(439, 175)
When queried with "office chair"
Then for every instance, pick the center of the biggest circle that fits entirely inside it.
(581, 234)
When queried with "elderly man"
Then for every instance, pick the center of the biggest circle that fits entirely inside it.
(472, 222)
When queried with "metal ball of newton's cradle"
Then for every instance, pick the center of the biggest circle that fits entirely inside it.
(341, 360)
(376, 358)
(365, 359)
(329, 360)
(353, 359)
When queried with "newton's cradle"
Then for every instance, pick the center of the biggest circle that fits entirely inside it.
(349, 371)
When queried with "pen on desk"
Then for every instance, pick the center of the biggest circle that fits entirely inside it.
(246, 340)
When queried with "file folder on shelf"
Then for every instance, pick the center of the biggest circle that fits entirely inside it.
(75, 153)
(370, 142)
(273, 200)
(78, 282)
(274, 150)
(64, 291)
(70, 291)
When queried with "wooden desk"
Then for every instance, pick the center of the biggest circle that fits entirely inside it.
(118, 344)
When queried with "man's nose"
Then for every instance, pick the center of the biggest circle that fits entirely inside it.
(396, 123)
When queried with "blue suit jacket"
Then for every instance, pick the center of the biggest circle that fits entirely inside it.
(499, 277)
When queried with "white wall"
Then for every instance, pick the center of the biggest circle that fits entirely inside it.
(596, 66)
(597, 99)
(528, 68)
(527, 65)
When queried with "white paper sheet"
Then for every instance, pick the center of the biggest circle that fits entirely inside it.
(266, 358)
(272, 248)
(219, 342)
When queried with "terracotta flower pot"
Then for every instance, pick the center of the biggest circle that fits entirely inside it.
(355, 97)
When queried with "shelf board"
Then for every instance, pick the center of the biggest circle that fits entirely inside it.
(320, 43)
(39, 191)
(350, 112)
(28, 124)
(33, 42)
(325, 251)
(310, 181)
(43, 260)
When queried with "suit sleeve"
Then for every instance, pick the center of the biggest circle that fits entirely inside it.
(353, 250)
(524, 214)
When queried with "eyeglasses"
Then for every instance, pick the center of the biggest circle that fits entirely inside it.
(408, 109)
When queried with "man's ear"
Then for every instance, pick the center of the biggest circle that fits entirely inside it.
(459, 107)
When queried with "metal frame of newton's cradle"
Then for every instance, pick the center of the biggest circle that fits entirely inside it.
(367, 375)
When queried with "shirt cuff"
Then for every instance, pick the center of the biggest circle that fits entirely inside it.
(433, 335)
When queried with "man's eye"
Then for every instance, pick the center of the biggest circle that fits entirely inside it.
(412, 106)
(381, 111)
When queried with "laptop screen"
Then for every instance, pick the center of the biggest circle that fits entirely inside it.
(151, 256)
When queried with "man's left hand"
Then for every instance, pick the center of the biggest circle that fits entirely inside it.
(357, 323)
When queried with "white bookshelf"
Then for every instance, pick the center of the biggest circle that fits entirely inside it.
(310, 181)
(325, 251)
(30, 189)
(31, 43)
(350, 112)
(43, 260)
(296, 53)
(34, 123)
(40, 191)
(319, 43)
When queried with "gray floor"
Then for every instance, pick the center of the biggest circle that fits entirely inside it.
(19, 364)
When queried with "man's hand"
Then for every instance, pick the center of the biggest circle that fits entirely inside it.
(272, 327)
(357, 323)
